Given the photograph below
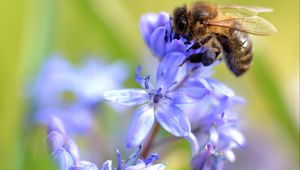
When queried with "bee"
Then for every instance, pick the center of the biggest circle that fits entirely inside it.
(222, 28)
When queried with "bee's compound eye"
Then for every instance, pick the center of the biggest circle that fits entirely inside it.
(182, 25)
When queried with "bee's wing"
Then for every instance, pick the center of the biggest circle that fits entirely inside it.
(252, 25)
(240, 10)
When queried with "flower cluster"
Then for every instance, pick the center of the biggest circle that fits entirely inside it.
(185, 100)
(65, 153)
(71, 93)
(182, 98)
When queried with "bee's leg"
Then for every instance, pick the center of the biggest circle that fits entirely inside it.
(206, 58)
(195, 46)
(171, 33)
(188, 38)
(206, 39)
(210, 55)
(194, 58)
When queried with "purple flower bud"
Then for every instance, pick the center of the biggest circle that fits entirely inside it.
(72, 148)
(55, 141)
(62, 159)
(64, 151)
(55, 124)
(84, 165)
(150, 22)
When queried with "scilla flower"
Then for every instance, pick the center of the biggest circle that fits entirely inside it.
(215, 127)
(156, 29)
(65, 153)
(159, 102)
(212, 119)
(71, 93)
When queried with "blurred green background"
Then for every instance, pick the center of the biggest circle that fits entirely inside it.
(32, 29)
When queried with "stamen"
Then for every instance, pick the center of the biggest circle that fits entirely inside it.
(157, 97)
(158, 90)
(168, 97)
(147, 78)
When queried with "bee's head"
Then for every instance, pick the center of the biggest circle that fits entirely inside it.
(180, 20)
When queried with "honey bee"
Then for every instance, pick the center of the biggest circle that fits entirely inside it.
(222, 28)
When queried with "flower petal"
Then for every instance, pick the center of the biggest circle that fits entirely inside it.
(107, 165)
(89, 87)
(175, 46)
(76, 118)
(149, 22)
(84, 165)
(220, 89)
(127, 97)
(73, 150)
(140, 125)
(194, 143)
(172, 119)
(157, 41)
(192, 91)
(232, 133)
(229, 155)
(213, 134)
(55, 124)
(55, 141)
(134, 157)
(156, 167)
(167, 69)
(138, 166)
(62, 159)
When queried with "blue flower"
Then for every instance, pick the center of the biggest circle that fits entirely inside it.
(64, 151)
(215, 127)
(95, 77)
(156, 29)
(160, 102)
(208, 159)
(72, 92)
(77, 118)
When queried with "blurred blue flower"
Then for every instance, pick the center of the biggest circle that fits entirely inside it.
(71, 93)
(159, 102)
(78, 118)
(65, 153)
(95, 77)
(208, 159)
